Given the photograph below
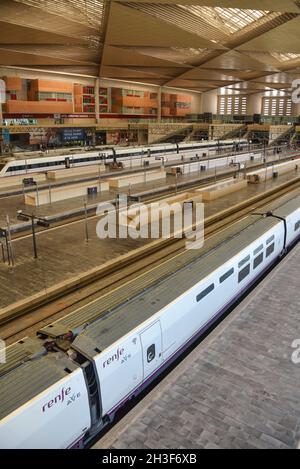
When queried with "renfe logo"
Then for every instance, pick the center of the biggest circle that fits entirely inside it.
(58, 399)
(115, 357)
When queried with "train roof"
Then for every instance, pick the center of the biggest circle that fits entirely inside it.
(288, 208)
(116, 314)
(30, 379)
(122, 319)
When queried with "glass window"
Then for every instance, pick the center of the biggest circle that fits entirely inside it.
(270, 239)
(297, 225)
(258, 260)
(205, 292)
(277, 106)
(257, 250)
(242, 262)
(232, 105)
(270, 249)
(244, 272)
(226, 275)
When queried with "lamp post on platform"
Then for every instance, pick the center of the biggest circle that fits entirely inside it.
(34, 220)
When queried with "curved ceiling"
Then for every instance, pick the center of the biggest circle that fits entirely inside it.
(193, 44)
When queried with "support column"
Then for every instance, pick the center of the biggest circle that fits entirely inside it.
(296, 109)
(1, 132)
(97, 86)
(210, 102)
(2, 98)
(254, 104)
(159, 104)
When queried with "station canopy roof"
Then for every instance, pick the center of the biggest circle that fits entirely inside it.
(244, 45)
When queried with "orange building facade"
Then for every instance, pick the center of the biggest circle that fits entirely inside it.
(124, 101)
(37, 96)
(175, 105)
(85, 99)
(44, 97)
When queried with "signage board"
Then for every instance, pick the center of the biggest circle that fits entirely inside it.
(73, 134)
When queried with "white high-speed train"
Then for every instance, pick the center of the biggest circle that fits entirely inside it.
(50, 163)
(59, 389)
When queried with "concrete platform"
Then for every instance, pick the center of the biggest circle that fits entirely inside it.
(6, 183)
(270, 172)
(119, 182)
(238, 389)
(18, 190)
(222, 189)
(10, 205)
(63, 193)
(73, 172)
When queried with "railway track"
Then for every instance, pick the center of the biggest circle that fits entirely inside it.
(22, 319)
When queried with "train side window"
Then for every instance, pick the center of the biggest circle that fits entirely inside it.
(270, 249)
(297, 225)
(244, 272)
(270, 239)
(257, 250)
(243, 261)
(258, 260)
(205, 292)
(226, 275)
(150, 353)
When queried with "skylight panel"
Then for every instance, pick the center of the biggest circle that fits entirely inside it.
(232, 19)
(88, 11)
(285, 57)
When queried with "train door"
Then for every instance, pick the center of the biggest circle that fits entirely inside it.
(67, 163)
(151, 340)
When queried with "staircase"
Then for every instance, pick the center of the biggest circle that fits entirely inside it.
(239, 132)
(294, 138)
(284, 138)
(178, 136)
(197, 135)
